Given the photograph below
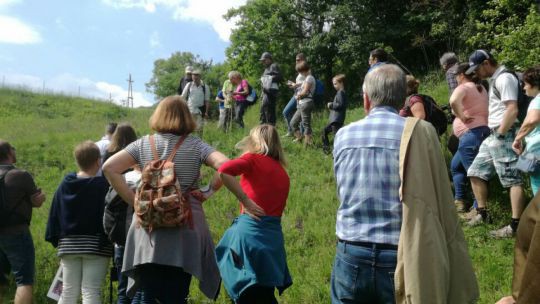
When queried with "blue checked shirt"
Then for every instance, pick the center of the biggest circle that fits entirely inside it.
(366, 166)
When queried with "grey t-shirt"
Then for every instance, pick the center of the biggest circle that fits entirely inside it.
(309, 80)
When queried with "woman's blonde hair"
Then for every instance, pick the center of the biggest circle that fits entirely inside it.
(263, 139)
(172, 116)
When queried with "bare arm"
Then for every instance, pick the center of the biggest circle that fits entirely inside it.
(456, 102)
(37, 199)
(509, 117)
(113, 169)
(250, 207)
(418, 111)
(531, 121)
(215, 160)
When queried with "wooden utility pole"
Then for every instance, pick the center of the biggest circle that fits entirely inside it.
(129, 101)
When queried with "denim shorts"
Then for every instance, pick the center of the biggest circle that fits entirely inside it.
(496, 156)
(18, 250)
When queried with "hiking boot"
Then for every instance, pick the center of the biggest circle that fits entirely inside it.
(469, 215)
(505, 232)
(327, 150)
(308, 141)
(297, 137)
(460, 206)
(476, 220)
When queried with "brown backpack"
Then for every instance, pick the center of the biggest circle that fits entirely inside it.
(159, 201)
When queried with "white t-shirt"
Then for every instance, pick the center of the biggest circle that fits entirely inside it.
(299, 79)
(103, 144)
(196, 96)
(507, 85)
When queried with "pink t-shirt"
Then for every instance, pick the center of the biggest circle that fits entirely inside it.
(240, 88)
(475, 105)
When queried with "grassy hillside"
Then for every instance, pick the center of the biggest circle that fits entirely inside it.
(45, 128)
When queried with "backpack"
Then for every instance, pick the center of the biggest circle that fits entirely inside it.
(319, 87)
(159, 201)
(114, 217)
(5, 213)
(252, 96)
(523, 100)
(188, 86)
(434, 114)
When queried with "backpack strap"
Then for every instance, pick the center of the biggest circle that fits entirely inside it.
(496, 91)
(153, 147)
(173, 152)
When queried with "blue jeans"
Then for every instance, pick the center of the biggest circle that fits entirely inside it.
(363, 275)
(469, 144)
(161, 284)
(288, 113)
(18, 251)
(122, 279)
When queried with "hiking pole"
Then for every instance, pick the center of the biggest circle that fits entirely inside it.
(400, 64)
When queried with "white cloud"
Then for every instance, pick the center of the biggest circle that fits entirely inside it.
(208, 11)
(12, 30)
(71, 85)
(6, 3)
(154, 40)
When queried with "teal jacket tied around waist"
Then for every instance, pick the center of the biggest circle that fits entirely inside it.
(253, 252)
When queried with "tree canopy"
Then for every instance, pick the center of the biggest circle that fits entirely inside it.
(337, 35)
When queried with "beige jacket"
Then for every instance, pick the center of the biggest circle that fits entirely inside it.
(433, 264)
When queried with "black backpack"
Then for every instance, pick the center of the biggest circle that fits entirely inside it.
(114, 217)
(523, 100)
(434, 113)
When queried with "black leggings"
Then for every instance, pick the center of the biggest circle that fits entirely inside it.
(258, 294)
(331, 127)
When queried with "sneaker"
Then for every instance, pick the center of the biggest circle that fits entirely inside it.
(460, 206)
(469, 215)
(288, 134)
(476, 220)
(505, 232)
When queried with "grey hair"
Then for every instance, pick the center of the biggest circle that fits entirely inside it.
(448, 58)
(233, 74)
(386, 86)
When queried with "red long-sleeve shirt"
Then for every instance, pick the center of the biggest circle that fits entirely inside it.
(263, 179)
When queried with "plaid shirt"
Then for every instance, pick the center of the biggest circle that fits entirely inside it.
(451, 79)
(366, 166)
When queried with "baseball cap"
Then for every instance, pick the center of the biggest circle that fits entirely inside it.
(196, 72)
(189, 69)
(476, 58)
(266, 55)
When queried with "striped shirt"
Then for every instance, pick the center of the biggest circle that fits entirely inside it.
(85, 244)
(366, 166)
(187, 161)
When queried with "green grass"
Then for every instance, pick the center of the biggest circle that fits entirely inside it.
(45, 128)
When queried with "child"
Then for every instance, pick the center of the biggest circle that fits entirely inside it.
(222, 121)
(337, 111)
(251, 255)
(75, 228)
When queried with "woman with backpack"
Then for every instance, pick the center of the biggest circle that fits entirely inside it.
(305, 102)
(121, 138)
(469, 102)
(240, 93)
(251, 254)
(160, 260)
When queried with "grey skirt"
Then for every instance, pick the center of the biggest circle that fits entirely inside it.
(191, 249)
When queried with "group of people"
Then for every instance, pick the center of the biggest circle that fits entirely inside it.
(399, 239)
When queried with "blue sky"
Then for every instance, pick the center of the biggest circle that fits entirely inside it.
(94, 45)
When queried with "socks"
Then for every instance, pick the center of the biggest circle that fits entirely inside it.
(482, 212)
(514, 224)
